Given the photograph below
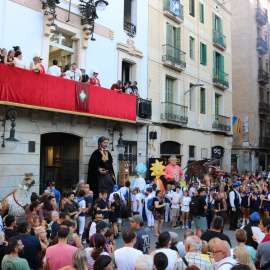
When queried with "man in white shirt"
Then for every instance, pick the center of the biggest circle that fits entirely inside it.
(121, 196)
(54, 70)
(76, 73)
(168, 212)
(222, 256)
(125, 258)
(175, 201)
(193, 189)
(149, 214)
(136, 202)
(235, 202)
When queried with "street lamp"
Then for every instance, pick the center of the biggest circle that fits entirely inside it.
(11, 142)
(120, 147)
(197, 84)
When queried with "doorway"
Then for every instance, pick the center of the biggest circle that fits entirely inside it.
(59, 160)
(126, 72)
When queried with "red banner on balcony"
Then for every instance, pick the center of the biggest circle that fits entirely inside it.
(25, 88)
(82, 96)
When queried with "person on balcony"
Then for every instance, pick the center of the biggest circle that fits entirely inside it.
(67, 73)
(54, 70)
(18, 60)
(100, 169)
(35, 65)
(85, 77)
(2, 55)
(94, 80)
(135, 89)
(41, 66)
(76, 73)
(9, 59)
(117, 86)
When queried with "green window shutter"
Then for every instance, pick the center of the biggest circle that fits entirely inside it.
(216, 107)
(202, 110)
(220, 26)
(205, 55)
(201, 7)
(168, 4)
(190, 48)
(169, 90)
(214, 63)
(202, 13)
(221, 67)
(169, 39)
(177, 42)
(214, 20)
(201, 53)
(192, 8)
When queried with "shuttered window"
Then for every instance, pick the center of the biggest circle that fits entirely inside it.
(173, 41)
(201, 12)
(191, 48)
(203, 99)
(192, 8)
(203, 54)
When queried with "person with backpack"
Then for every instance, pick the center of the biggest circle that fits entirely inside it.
(149, 214)
(197, 210)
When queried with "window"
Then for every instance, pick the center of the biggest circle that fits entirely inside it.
(130, 155)
(217, 23)
(169, 90)
(130, 16)
(191, 48)
(268, 97)
(173, 40)
(192, 8)
(217, 99)
(203, 54)
(218, 65)
(192, 151)
(201, 13)
(203, 99)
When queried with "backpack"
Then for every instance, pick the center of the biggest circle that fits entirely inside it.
(194, 206)
(150, 204)
(126, 195)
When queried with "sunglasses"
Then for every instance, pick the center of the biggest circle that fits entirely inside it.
(235, 257)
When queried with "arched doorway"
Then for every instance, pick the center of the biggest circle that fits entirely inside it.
(59, 160)
(169, 148)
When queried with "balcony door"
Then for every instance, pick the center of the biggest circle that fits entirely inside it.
(173, 41)
(169, 98)
(218, 67)
(62, 49)
(126, 72)
(217, 97)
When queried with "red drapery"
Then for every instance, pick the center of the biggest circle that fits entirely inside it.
(36, 90)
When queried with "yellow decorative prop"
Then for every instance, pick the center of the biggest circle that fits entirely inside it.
(158, 170)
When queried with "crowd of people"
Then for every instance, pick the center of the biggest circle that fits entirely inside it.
(78, 230)
(14, 58)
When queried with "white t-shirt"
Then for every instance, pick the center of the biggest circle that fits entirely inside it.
(19, 63)
(176, 198)
(93, 228)
(124, 190)
(120, 195)
(135, 198)
(148, 198)
(76, 75)
(82, 204)
(125, 258)
(171, 255)
(68, 75)
(90, 260)
(54, 71)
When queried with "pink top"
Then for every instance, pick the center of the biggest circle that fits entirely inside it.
(59, 256)
(173, 171)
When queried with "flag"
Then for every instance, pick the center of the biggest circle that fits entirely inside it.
(238, 126)
(234, 119)
(82, 96)
(246, 124)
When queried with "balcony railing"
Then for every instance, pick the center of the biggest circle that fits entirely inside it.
(220, 79)
(175, 113)
(263, 108)
(264, 142)
(130, 28)
(173, 57)
(262, 76)
(173, 11)
(222, 123)
(219, 40)
(261, 17)
(144, 108)
(262, 46)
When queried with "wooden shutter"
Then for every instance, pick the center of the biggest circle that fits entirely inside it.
(205, 54)
(220, 25)
(201, 53)
(177, 42)
(169, 39)
(192, 8)
(216, 107)
(202, 101)
(201, 8)
(214, 64)
(169, 90)
(168, 4)
(214, 20)
(221, 67)
(190, 48)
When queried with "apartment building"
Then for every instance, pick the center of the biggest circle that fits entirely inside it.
(190, 80)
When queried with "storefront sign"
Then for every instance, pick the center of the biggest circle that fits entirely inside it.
(217, 151)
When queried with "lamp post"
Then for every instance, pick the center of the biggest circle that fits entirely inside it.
(89, 9)
(11, 142)
(120, 147)
(197, 84)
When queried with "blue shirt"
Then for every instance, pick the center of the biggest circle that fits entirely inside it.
(143, 240)
(57, 194)
(89, 201)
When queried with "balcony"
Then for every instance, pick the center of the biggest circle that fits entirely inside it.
(220, 79)
(263, 108)
(263, 76)
(173, 114)
(130, 28)
(222, 123)
(144, 110)
(49, 93)
(264, 142)
(262, 46)
(261, 17)
(174, 12)
(219, 40)
(173, 58)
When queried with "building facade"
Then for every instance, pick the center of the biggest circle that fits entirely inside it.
(250, 48)
(56, 144)
(190, 42)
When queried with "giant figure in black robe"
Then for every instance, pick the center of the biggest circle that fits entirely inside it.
(101, 160)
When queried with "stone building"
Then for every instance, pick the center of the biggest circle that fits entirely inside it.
(250, 49)
(190, 43)
(56, 143)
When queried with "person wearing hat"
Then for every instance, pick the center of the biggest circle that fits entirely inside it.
(235, 202)
(254, 222)
(143, 237)
(101, 175)
(117, 86)
(94, 80)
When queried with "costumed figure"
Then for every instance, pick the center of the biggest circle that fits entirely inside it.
(94, 80)
(205, 170)
(140, 182)
(158, 170)
(100, 169)
(173, 172)
(15, 203)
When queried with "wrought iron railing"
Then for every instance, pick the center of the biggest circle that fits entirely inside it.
(222, 123)
(262, 45)
(130, 28)
(220, 77)
(174, 55)
(263, 76)
(263, 108)
(144, 108)
(174, 112)
(174, 9)
(219, 38)
(261, 17)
